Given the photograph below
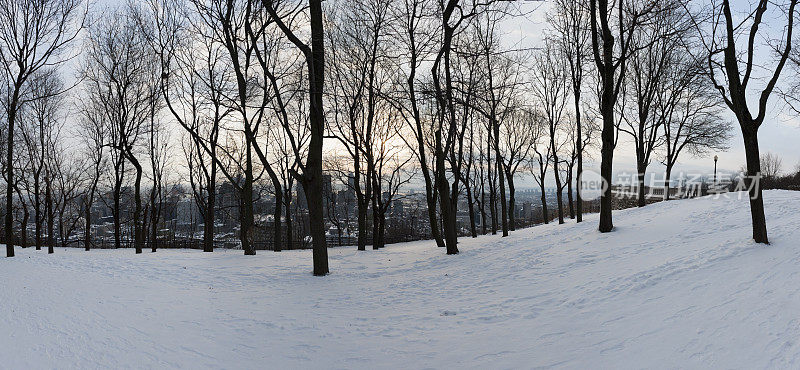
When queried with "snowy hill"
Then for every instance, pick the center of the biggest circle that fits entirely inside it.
(678, 284)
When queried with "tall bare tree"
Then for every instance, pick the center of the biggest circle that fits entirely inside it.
(518, 143)
(415, 31)
(691, 110)
(501, 79)
(612, 25)
(549, 87)
(358, 78)
(33, 35)
(197, 88)
(314, 55)
(569, 21)
(122, 75)
(730, 66)
(41, 124)
(540, 159)
(656, 45)
(93, 138)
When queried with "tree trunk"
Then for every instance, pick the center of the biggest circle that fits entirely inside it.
(24, 229)
(376, 223)
(208, 217)
(430, 197)
(117, 219)
(288, 202)
(313, 176)
(559, 196)
(448, 218)
(24, 225)
(119, 171)
(87, 235)
(754, 187)
(570, 198)
(607, 70)
(471, 207)
(501, 176)
(545, 216)
(316, 215)
(276, 241)
(512, 207)
(641, 188)
(246, 208)
(9, 219)
(483, 211)
(667, 181)
(382, 231)
(50, 213)
(138, 227)
(559, 200)
(246, 217)
(607, 157)
(492, 188)
(153, 224)
(362, 220)
(37, 212)
(430, 191)
(579, 148)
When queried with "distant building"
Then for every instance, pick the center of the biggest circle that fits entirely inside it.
(527, 211)
(187, 214)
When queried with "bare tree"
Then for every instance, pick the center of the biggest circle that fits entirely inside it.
(40, 127)
(33, 36)
(358, 79)
(479, 174)
(612, 25)
(657, 45)
(730, 67)
(572, 36)
(771, 165)
(93, 138)
(416, 33)
(68, 174)
(236, 28)
(314, 55)
(501, 79)
(551, 91)
(158, 150)
(196, 85)
(123, 79)
(391, 173)
(540, 159)
(448, 135)
(518, 143)
(690, 109)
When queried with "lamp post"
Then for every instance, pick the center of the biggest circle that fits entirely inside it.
(715, 170)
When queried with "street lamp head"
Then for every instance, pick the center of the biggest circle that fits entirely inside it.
(715, 158)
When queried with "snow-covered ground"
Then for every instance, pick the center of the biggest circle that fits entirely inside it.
(678, 284)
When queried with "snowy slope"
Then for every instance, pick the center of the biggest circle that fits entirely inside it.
(678, 284)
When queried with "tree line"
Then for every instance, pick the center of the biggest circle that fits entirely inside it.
(277, 95)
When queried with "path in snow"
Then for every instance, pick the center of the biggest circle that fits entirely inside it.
(678, 284)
